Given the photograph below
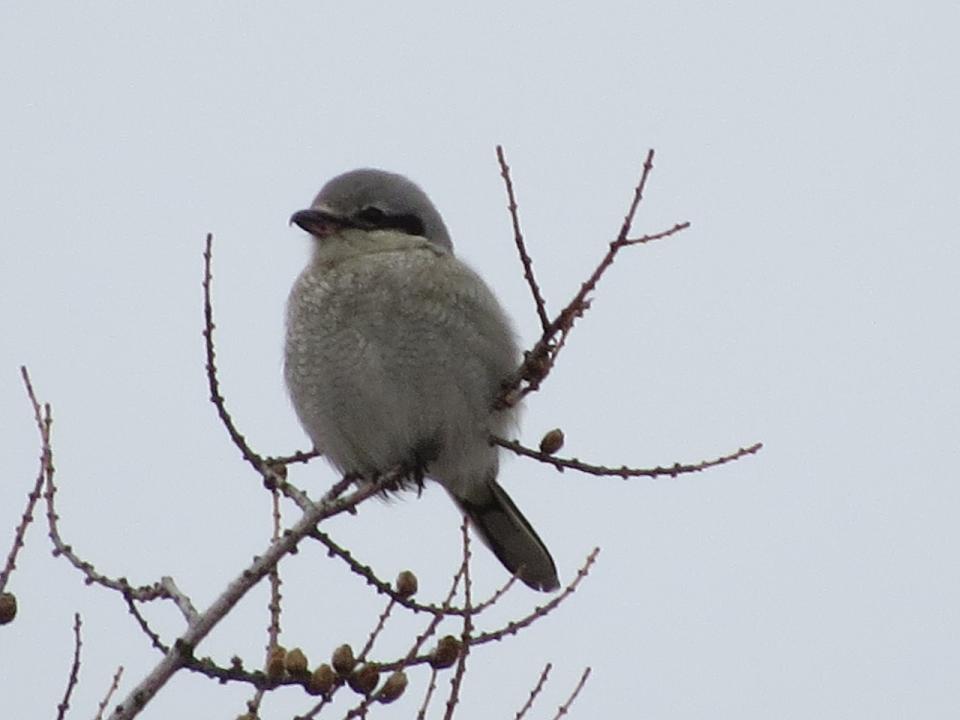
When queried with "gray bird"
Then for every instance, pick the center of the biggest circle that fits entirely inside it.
(396, 352)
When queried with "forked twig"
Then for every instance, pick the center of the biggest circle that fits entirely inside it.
(540, 359)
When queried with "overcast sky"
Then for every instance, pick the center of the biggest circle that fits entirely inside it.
(813, 305)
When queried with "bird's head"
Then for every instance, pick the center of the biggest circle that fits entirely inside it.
(369, 199)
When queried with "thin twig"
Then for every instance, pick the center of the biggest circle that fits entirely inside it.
(114, 684)
(422, 713)
(511, 628)
(74, 669)
(32, 499)
(514, 626)
(456, 682)
(500, 592)
(525, 259)
(315, 710)
(435, 621)
(563, 709)
(299, 456)
(623, 471)
(214, 384)
(381, 586)
(536, 691)
(145, 627)
(273, 628)
(375, 633)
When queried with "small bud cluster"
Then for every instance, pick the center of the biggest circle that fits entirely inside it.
(446, 652)
(393, 688)
(321, 680)
(362, 678)
(406, 584)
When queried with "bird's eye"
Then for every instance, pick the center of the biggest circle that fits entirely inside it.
(409, 224)
(373, 215)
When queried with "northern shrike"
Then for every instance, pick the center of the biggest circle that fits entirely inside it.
(396, 352)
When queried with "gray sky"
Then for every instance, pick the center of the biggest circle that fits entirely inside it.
(813, 305)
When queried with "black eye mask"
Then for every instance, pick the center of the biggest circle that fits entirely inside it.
(371, 217)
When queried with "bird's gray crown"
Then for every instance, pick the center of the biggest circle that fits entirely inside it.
(377, 199)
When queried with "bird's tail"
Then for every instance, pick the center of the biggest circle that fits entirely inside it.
(505, 530)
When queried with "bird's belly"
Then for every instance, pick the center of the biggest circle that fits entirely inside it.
(371, 406)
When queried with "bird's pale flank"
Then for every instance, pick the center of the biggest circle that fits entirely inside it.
(396, 352)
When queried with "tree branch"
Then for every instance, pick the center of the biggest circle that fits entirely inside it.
(623, 471)
(206, 621)
(74, 669)
(525, 259)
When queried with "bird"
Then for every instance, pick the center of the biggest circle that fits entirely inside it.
(396, 353)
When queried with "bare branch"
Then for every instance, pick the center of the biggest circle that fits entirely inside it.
(273, 628)
(183, 648)
(499, 593)
(297, 457)
(74, 669)
(114, 684)
(375, 633)
(623, 471)
(44, 422)
(315, 710)
(422, 713)
(144, 626)
(214, 384)
(563, 709)
(580, 304)
(433, 624)
(179, 597)
(381, 586)
(540, 359)
(525, 259)
(514, 626)
(32, 497)
(456, 682)
(536, 691)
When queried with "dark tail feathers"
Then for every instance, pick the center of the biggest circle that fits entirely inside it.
(512, 539)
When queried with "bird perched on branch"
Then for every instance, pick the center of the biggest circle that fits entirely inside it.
(396, 353)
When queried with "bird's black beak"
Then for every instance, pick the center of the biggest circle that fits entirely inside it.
(318, 223)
